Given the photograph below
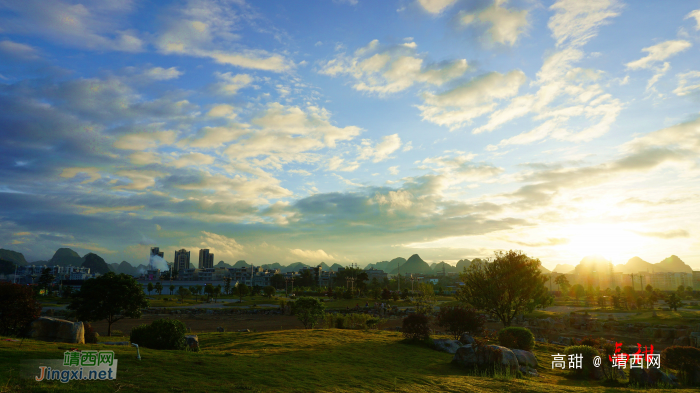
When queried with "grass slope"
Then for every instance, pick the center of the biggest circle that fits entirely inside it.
(286, 361)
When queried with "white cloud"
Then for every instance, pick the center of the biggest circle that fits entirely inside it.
(230, 84)
(684, 83)
(192, 159)
(22, 51)
(408, 146)
(222, 110)
(385, 70)
(575, 22)
(394, 170)
(695, 14)
(470, 100)
(382, 150)
(145, 140)
(93, 173)
(435, 6)
(144, 158)
(162, 74)
(209, 137)
(312, 255)
(659, 73)
(300, 172)
(506, 25)
(659, 52)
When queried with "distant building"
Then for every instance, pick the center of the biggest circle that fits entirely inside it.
(181, 261)
(376, 273)
(156, 251)
(206, 259)
(696, 280)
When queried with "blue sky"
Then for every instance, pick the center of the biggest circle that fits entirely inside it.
(351, 131)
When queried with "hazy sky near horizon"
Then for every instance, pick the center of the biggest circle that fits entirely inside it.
(351, 130)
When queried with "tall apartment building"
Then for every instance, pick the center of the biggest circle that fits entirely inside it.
(156, 251)
(182, 260)
(206, 259)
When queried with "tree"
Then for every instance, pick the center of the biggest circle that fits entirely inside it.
(172, 288)
(198, 290)
(277, 281)
(46, 279)
(110, 296)
(159, 288)
(227, 285)
(674, 302)
(578, 291)
(241, 290)
(269, 291)
(361, 282)
(426, 299)
(150, 288)
(18, 308)
(640, 302)
(562, 283)
(649, 288)
(183, 293)
(376, 293)
(209, 291)
(308, 310)
(458, 320)
(680, 290)
(216, 292)
(506, 287)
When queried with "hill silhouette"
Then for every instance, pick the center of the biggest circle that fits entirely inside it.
(13, 256)
(387, 266)
(437, 268)
(65, 257)
(563, 268)
(95, 263)
(672, 264)
(413, 265)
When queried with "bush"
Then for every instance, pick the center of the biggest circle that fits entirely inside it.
(458, 320)
(587, 369)
(18, 308)
(590, 341)
(681, 359)
(516, 338)
(90, 334)
(308, 310)
(415, 327)
(161, 334)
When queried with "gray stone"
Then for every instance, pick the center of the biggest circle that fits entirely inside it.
(243, 330)
(525, 358)
(192, 341)
(467, 339)
(465, 356)
(449, 346)
(529, 371)
(57, 330)
(496, 356)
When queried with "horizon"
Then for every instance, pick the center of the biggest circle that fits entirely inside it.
(448, 129)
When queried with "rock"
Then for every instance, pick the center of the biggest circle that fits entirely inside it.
(220, 329)
(126, 343)
(525, 358)
(449, 346)
(57, 330)
(192, 342)
(650, 377)
(496, 356)
(243, 330)
(465, 356)
(529, 371)
(467, 339)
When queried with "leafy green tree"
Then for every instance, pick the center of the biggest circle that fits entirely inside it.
(562, 283)
(458, 320)
(640, 302)
(150, 288)
(198, 290)
(649, 288)
(681, 291)
(578, 291)
(209, 291)
(425, 299)
(674, 302)
(159, 288)
(308, 310)
(46, 280)
(506, 287)
(18, 308)
(216, 292)
(111, 297)
(183, 293)
(269, 291)
(241, 290)
(601, 301)
(172, 288)
(376, 293)
(227, 285)
(277, 281)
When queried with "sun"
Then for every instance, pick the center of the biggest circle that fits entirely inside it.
(614, 242)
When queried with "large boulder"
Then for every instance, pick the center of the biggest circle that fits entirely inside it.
(192, 342)
(465, 356)
(525, 358)
(650, 377)
(496, 356)
(467, 339)
(57, 330)
(449, 346)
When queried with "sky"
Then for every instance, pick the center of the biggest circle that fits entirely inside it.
(351, 131)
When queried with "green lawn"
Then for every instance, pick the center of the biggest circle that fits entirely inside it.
(287, 361)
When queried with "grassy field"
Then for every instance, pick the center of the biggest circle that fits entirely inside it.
(289, 361)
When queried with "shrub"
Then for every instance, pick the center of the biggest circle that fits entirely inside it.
(516, 338)
(590, 341)
(18, 308)
(458, 320)
(587, 369)
(415, 327)
(161, 334)
(682, 359)
(90, 334)
(308, 310)
(395, 296)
